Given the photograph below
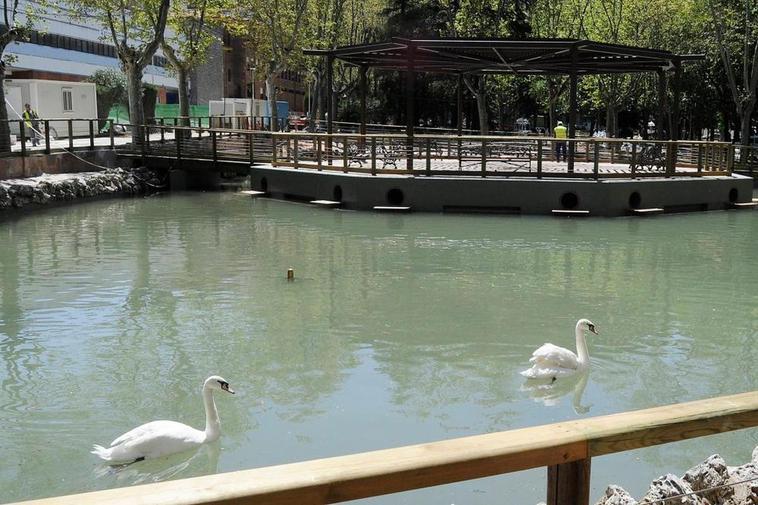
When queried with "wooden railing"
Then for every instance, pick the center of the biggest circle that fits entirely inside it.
(746, 159)
(566, 448)
(231, 122)
(242, 139)
(45, 131)
(445, 155)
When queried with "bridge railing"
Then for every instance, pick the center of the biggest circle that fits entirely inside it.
(445, 154)
(565, 448)
(389, 153)
(231, 122)
(746, 159)
(46, 134)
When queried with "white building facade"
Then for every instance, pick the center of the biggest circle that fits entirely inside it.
(63, 48)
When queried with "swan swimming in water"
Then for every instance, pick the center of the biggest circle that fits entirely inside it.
(161, 438)
(551, 361)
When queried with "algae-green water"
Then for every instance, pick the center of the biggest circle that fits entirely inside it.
(398, 329)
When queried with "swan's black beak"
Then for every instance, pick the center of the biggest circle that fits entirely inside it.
(592, 328)
(225, 387)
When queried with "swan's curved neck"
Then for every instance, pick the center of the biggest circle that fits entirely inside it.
(212, 423)
(581, 346)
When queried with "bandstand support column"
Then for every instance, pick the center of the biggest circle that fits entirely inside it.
(660, 120)
(459, 103)
(329, 106)
(410, 99)
(364, 69)
(676, 106)
(573, 81)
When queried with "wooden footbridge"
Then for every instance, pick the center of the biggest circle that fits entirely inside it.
(433, 155)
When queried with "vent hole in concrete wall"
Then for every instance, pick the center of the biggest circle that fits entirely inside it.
(264, 185)
(395, 197)
(337, 194)
(569, 201)
(733, 195)
(635, 200)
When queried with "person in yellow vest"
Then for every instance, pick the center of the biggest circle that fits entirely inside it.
(560, 132)
(31, 121)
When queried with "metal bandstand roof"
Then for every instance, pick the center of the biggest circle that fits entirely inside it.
(503, 56)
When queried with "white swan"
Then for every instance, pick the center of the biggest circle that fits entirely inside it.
(551, 361)
(161, 438)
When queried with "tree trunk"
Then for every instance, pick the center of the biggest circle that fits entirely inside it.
(271, 93)
(136, 110)
(5, 131)
(481, 105)
(745, 123)
(315, 103)
(184, 105)
(550, 118)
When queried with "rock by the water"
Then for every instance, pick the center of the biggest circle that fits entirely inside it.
(744, 492)
(674, 490)
(61, 187)
(711, 482)
(711, 473)
(616, 495)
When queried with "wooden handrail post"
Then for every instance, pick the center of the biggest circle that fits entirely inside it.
(318, 153)
(671, 158)
(214, 149)
(569, 483)
(344, 154)
(163, 131)
(47, 136)
(22, 134)
(70, 134)
(329, 148)
(145, 143)
(251, 145)
(484, 158)
(633, 165)
(273, 149)
(539, 158)
(373, 155)
(178, 141)
(111, 133)
(294, 152)
(92, 133)
(699, 158)
(428, 157)
(596, 164)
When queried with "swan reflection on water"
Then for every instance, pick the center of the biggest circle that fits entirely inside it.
(187, 464)
(549, 392)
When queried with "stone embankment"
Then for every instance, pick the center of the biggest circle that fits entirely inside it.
(711, 482)
(46, 188)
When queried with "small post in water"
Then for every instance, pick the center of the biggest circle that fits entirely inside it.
(290, 274)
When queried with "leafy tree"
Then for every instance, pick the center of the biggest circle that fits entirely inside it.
(136, 29)
(111, 90)
(273, 32)
(737, 39)
(187, 42)
(338, 23)
(16, 26)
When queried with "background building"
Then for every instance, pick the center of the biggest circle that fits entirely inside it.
(62, 48)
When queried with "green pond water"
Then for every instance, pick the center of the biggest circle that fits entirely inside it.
(399, 329)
